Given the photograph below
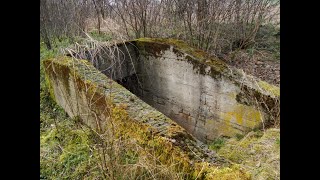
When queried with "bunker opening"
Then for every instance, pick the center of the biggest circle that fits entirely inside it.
(197, 96)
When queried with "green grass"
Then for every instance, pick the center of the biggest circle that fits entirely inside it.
(217, 143)
(257, 152)
(278, 141)
(100, 37)
(64, 149)
(239, 136)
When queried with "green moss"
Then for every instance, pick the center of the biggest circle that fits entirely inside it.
(65, 152)
(49, 86)
(197, 57)
(200, 61)
(126, 127)
(266, 101)
(143, 134)
(226, 173)
(278, 141)
(115, 118)
(152, 48)
(61, 68)
(181, 46)
(274, 90)
(258, 153)
(217, 143)
(205, 171)
(239, 136)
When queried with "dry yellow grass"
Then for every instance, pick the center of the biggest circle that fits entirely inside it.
(258, 153)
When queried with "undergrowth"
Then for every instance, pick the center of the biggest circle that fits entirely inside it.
(217, 143)
(258, 152)
(64, 149)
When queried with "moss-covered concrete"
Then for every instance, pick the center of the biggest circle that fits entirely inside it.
(199, 58)
(108, 107)
(233, 101)
(201, 93)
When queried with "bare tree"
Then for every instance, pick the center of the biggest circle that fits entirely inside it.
(215, 26)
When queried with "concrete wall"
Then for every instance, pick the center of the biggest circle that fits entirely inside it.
(206, 107)
(202, 94)
(198, 93)
(109, 108)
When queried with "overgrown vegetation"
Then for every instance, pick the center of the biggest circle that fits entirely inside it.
(258, 152)
(68, 149)
(217, 143)
(71, 150)
(218, 27)
(232, 30)
(64, 150)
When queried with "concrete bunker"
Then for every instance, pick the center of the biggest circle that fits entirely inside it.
(200, 93)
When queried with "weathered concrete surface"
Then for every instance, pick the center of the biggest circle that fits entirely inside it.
(105, 105)
(202, 94)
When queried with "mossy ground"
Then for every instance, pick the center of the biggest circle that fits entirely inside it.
(257, 152)
(274, 90)
(64, 148)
